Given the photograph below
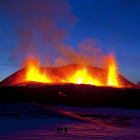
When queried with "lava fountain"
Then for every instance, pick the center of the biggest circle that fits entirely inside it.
(80, 76)
(112, 72)
(33, 72)
(83, 77)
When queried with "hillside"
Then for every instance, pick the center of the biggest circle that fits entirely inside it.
(61, 73)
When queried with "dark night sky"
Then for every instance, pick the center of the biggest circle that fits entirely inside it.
(40, 27)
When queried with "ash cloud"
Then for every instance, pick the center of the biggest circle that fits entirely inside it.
(41, 27)
(38, 24)
(88, 53)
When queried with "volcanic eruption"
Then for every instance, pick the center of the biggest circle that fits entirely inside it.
(72, 85)
(72, 73)
(83, 73)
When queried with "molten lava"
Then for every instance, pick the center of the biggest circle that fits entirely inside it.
(33, 72)
(83, 77)
(80, 76)
(112, 72)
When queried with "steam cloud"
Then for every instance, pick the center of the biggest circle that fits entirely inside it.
(41, 26)
(88, 54)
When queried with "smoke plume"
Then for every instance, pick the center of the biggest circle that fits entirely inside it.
(88, 53)
(41, 27)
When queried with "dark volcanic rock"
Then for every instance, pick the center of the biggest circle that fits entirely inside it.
(75, 95)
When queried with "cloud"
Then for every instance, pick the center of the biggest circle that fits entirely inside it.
(88, 53)
(38, 24)
(41, 27)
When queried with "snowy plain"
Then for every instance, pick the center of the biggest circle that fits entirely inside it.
(27, 121)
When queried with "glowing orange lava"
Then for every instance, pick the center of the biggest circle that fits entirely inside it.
(33, 72)
(80, 76)
(83, 77)
(112, 72)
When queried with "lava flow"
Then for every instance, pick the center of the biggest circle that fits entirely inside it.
(80, 76)
(83, 77)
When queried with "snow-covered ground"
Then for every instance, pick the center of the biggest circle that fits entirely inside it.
(27, 121)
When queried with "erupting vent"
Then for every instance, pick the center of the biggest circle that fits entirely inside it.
(80, 76)
(73, 73)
